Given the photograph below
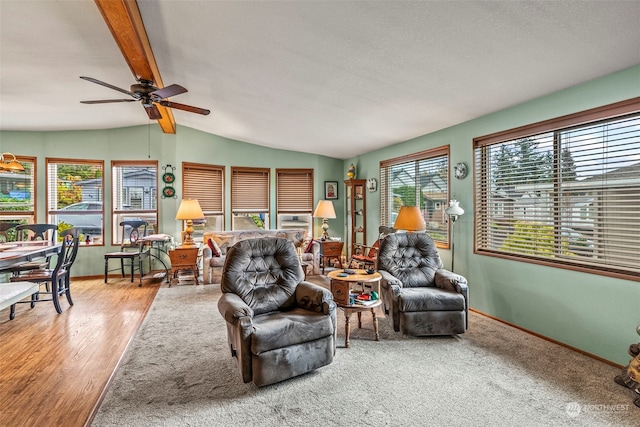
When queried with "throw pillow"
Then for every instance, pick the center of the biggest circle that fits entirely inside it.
(215, 250)
(309, 247)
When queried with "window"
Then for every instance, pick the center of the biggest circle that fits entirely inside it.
(420, 179)
(134, 194)
(565, 192)
(205, 183)
(294, 198)
(17, 196)
(75, 196)
(249, 198)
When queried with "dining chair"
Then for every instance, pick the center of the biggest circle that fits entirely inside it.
(57, 280)
(31, 232)
(8, 231)
(36, 232)
(132, 230)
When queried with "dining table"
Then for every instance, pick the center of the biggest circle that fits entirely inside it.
(14, 254)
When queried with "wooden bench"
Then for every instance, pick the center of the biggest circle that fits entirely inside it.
(11, 293)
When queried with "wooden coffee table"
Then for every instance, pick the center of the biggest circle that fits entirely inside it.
(340, 287)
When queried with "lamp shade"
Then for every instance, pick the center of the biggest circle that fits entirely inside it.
(324, 209)
(454, 208)
(410, 219)
(189, 209)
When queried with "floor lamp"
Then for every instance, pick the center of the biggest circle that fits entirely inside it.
(453, 211)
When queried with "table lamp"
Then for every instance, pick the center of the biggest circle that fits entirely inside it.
(453, 211)
(325, 210)
(410, 219)
(188, 211)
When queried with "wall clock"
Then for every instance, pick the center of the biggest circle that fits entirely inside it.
(460, 170)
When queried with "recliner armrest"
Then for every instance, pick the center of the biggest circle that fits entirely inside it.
(232, 308)
(450, 281)
(390, 279)
(314, 298)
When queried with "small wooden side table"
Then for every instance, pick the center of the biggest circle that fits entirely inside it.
(340, 287)
(184, 258)
(330, 249)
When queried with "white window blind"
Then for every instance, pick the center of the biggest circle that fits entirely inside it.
(75, 195)
(420, 179)
(17, 195)
(567, 195)
(249, 190)
(205, 183)
(134, 194)
(294, 190)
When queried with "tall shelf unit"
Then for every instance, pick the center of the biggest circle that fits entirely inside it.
(356, 205)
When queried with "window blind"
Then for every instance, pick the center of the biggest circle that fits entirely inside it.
(294, 190)
(205, 183)
(419, 179)
(19, 191)
(568, 196)
(249, 190)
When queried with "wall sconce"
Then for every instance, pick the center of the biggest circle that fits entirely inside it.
(10, 165)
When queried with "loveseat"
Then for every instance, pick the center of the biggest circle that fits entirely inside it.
(212, 265)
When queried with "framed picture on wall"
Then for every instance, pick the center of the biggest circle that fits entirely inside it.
(330, 190)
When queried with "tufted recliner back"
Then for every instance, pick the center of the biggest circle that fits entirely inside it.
(411, 257)
(263, 272)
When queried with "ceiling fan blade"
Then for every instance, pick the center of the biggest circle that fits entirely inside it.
(169, 91)
(184, 107)
(152, 112)
(105, 101)
(91, 79)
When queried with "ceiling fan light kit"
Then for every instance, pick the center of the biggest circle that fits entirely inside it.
(148, 95)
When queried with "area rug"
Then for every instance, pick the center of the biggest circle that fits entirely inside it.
(178, 371)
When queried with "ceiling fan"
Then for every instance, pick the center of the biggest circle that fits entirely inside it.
(148, 95)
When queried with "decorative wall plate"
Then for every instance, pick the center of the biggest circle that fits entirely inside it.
(168, 192)
(168, 177)
(460, 170)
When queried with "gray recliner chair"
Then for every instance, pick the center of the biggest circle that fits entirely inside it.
(278, 326)
(421, 297)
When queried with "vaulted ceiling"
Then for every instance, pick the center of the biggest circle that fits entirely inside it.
(338, 78)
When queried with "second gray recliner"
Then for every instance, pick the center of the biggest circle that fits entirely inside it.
(420, 296)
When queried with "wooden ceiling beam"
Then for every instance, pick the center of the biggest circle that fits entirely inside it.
(127, 28)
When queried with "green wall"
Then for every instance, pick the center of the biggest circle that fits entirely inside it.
(143, 143)
(593, 313)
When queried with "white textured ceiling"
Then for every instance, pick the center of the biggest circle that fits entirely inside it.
(338, 78)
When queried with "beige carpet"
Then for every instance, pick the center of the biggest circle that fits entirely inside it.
(178, 372)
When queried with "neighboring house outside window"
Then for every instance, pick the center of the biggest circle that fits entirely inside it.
(564, 192)
(249, 198)
(420, 179)
(134, 195)
(294, 199)
(17, 197)
(206, 184)
(75, 191)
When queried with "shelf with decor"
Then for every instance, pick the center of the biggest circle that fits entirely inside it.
(356, 214)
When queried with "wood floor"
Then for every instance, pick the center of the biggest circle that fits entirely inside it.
(55, 367)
